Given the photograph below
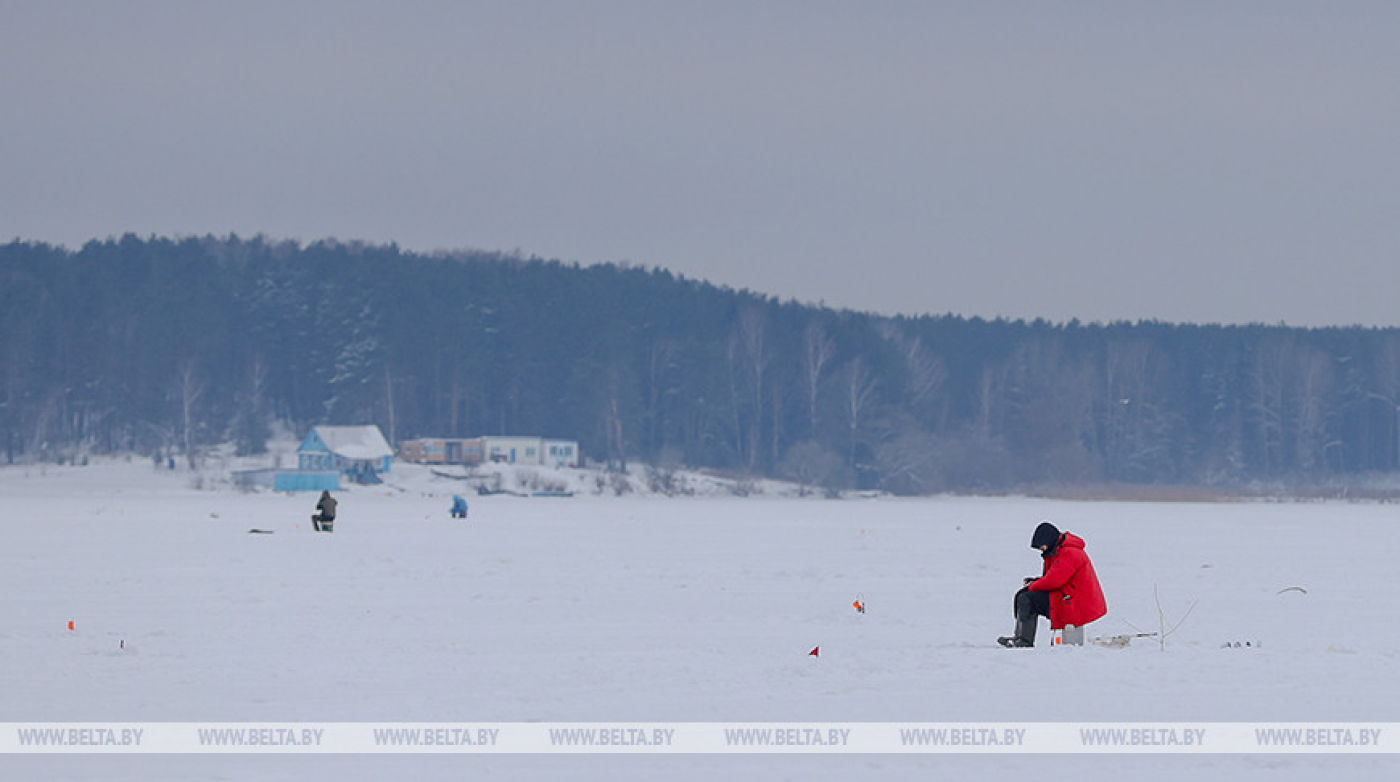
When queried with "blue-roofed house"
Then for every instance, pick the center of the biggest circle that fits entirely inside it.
(359, 452)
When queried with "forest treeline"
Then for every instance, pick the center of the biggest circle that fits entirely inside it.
(160, 345)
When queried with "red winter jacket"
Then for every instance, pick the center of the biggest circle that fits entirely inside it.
(1075, 596)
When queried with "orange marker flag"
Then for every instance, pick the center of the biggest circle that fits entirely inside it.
(70, 624)
(859, 606)
(816, 652)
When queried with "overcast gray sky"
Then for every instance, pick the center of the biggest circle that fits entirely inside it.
(1180, 161)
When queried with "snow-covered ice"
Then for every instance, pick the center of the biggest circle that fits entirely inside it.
(657, 609)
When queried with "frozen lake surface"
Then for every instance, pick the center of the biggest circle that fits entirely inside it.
(656, 609)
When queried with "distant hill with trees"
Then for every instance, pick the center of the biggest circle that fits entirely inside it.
(160, 345)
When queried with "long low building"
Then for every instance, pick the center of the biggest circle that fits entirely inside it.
(541, 451)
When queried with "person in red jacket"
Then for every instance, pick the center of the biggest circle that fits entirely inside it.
(1067, 592)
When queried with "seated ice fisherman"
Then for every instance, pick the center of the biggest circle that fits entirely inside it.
(1067, 592)
(324, 521)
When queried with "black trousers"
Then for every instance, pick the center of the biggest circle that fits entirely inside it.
(1030, 606)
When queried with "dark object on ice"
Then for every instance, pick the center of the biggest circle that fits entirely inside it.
(441, 474)
(1293, 589)
(259, 532)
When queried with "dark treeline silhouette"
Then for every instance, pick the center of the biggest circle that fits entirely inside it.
(167, 346)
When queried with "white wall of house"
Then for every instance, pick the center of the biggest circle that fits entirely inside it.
(560, 453)
(513, 450)
(531, 450)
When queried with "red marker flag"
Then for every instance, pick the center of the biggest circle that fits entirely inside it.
(816, 652)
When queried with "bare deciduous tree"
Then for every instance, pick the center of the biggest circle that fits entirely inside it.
(661, 357)
(858, 389)
(818, 348)
(191, 389)
(1314, 388)
(748, 361)
(926, 371)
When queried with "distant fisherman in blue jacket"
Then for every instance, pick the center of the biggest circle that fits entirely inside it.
(459, 507)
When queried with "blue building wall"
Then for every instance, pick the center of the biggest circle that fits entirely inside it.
(314, 455)
(306, 481)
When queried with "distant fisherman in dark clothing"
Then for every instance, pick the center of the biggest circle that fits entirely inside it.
(324, 521)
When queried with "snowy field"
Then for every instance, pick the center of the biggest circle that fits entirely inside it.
(653, 609)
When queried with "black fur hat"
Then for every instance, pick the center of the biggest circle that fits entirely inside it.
(1045, 535)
